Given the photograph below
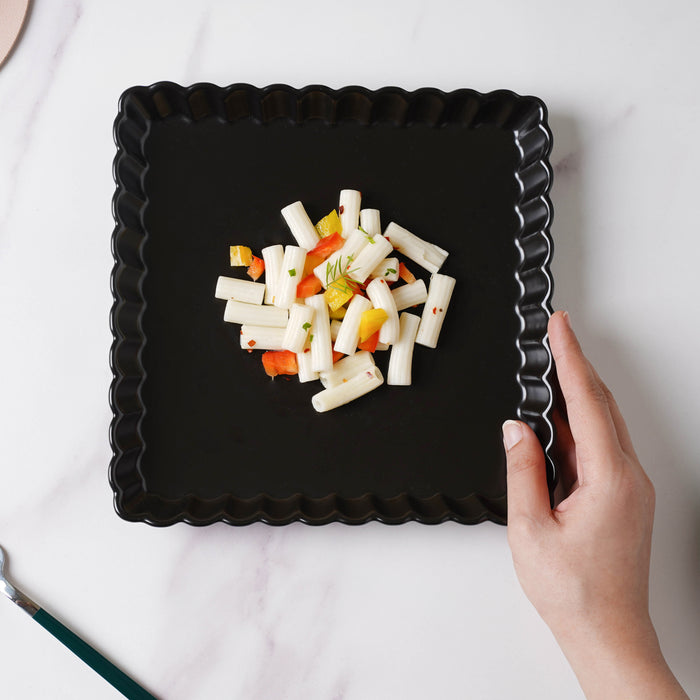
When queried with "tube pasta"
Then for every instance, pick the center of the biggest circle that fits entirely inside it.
(388, 269)
(410, 295)
(401, 358)
(306, 374)
(345, 369)
(273, 256)
(254, 314)
(439, 295)
(349, 334)
(300, 225)
(335, 329)
(369, 257)
(349, 210)
(305, 327)
(240, 290)
(370, 221)
(320, 337)
(428, 255)
(261, 337)
(289, 276)
(354, 243)
(343, 393)
(297, 331)
(380, 295)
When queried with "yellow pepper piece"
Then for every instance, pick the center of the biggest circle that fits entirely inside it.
(336, 295)
(370, 322)
(338, 314)
(329, 225)
(241, 255)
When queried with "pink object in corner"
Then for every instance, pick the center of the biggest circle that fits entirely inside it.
(13, 14)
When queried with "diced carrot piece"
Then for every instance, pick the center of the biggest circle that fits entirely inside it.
(327, 246)
(279, 362)
(337, 355)
(369, 344)
(311, 262)
(256, 268)
(308, 287)
(405, 274)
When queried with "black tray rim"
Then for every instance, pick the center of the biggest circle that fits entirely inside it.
(524, 116)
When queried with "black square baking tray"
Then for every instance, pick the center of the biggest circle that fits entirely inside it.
(200, 434)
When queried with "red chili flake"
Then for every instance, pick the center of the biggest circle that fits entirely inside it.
(434, 309)
(250, 351)
(341, 209)
(251, 343)
(307, 349)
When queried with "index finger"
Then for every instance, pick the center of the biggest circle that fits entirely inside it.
(591, 422)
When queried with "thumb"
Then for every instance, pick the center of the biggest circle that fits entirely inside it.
(528, 495)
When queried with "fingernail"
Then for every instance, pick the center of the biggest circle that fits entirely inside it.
(567, 319)
(512, 434)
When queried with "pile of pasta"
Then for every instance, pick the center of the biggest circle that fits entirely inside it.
(327, 304)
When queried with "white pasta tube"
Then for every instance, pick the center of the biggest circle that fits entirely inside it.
(240, 290)
(380, 295)
(320, 337)
(369, 257)
(349, 334)
(255, 314)
(349, 210)
(290, 275)
(388, 269)
(304, 371)
(439, 294)
(261, 337)
(297, 331)
(428, 255)
(399, 372)
(410, 295)
(345, 369)
(273, 256)
(370, 221)
(300, 225)
(345, 392)
(335, 329)
(337, 264)
(382, 346)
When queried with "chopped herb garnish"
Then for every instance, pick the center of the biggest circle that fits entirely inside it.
(336, 278)
(306, 326)
(390, 271)
(292, 272)
(369, 237)
(311, 338)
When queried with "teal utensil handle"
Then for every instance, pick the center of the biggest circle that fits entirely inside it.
(92, 658)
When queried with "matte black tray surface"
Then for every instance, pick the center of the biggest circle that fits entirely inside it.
(200, 433)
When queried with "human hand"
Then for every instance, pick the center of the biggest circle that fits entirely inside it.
(584, 564)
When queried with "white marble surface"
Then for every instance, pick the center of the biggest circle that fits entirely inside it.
(368, 613)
